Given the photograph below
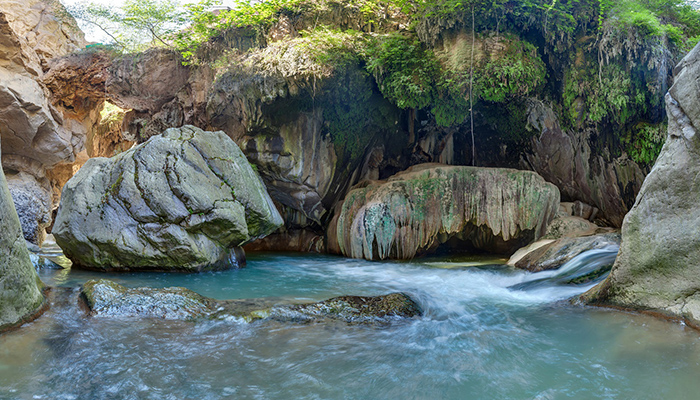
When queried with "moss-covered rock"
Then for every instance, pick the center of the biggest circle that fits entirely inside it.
(20, 287)
(184, 200)
(494, 209)
(107, 298)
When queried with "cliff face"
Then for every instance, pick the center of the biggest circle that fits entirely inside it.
(36, 134)
(657, 267)
(319, 104)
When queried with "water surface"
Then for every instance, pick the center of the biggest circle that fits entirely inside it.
(489, 332)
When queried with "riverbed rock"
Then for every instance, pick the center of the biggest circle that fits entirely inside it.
(109, 299)
(552, 254)
(493, 209)
(351, 309)
(184, 200)
(658, 268)
(20, 287)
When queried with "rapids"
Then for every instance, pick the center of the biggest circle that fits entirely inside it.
(488, 332)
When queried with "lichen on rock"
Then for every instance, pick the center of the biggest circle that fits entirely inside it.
(494, 209)
(184, 200)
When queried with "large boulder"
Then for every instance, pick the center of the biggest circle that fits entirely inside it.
(493, 209)
(181, 201)
(658, 268)
(20, 287)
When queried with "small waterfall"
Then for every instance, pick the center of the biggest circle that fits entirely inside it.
(588, 268)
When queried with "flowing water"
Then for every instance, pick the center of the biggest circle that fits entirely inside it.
(488, 332)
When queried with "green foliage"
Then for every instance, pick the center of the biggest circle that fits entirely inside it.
(406, 72)
(675, 19)
(518, 72)
(135, 25)
(644, 142)
(608, 93)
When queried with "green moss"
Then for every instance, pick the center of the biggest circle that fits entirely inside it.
(644, 141)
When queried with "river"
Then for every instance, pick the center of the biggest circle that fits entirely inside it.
(488, 332)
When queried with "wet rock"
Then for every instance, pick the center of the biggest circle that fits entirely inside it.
(552, 254)
(107, 298)
(658, 268)
(20, 287)
(351, 309)
(184, 200)
(497, 210)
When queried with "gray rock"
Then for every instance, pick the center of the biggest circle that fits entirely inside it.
(184, 200)
(494, 209)
(107, 298)
(658, 268)
(20, 287)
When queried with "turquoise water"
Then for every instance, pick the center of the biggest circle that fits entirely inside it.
(489, 332)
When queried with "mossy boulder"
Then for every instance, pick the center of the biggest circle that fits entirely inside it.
(184, 200)
(658, 267)
(20, 287)
(493, 209)
(107, 298)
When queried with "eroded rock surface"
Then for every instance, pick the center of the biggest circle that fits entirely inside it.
(184, 200)
(566, 159)
(36, 133)
(493, 209)
(658, 267)
(107, 298)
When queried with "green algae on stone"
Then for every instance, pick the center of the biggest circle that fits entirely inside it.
(494, 209)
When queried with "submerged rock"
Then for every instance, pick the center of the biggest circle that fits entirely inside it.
(184, 200)
(493, 209)
(107, 298)
(20, 287)
(658, 268)
(351, 309)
